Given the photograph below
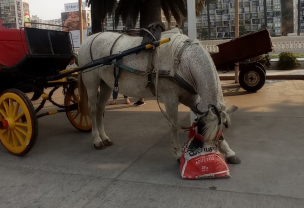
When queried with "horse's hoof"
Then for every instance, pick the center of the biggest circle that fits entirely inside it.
(108, 143)
(233, 160)
(100, 147)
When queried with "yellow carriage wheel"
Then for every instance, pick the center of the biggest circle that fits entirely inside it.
(18, 123)
(77, 119)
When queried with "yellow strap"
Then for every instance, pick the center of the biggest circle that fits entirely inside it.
(159, 43)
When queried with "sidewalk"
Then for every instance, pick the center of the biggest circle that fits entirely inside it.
(64, 170)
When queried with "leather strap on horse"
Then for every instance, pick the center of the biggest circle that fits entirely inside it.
(153, 32)
(115, 43)
(91, 55)
(179, 80)
(116, 67)
(176, 78)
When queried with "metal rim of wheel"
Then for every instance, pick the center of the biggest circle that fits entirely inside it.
(18, 123)
(252, 78)
(77, 119)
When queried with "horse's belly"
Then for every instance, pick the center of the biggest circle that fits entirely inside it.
(129, 84)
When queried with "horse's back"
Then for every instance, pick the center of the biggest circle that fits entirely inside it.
(108, 43)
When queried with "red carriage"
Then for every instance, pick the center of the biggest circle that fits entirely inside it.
(27, 57)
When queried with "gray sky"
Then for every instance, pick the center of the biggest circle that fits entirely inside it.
(48, 9)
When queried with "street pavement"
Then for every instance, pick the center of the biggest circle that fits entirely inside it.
(64, 170)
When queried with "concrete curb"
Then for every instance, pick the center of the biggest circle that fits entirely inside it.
(271, 77)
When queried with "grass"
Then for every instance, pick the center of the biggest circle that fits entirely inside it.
(300, 55)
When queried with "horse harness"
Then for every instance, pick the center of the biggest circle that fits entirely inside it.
(151, 73)
(154, 34)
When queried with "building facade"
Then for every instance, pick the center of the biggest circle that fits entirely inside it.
(8, 13)
(110, 23)
(302, 16)
(281, 18)
(54, 24)
(251, 18)
(14, 13)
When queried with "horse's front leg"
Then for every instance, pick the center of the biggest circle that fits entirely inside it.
(229, 154)
(171, 104)
(104, 95)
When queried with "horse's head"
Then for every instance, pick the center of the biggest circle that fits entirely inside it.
(210, 124)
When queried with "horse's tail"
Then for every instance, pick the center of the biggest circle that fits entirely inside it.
(83, 97)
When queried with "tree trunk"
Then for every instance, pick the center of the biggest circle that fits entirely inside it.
(129, 24)
(95, 18)
(150, 11)
(209, 22)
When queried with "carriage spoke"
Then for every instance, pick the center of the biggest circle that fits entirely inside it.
(6, 108)
(74, 117)
(19, 116)
(81, 118)
(10, 106)
(16, 108)
(3, 113)
(9, 138)
(3, 133)
(21, 130)
(76, 99)
(15, 143)
(20, 138)
(21, 124)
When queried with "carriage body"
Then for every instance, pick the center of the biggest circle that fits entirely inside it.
(31, 54)
(252, 73)
(29, 58)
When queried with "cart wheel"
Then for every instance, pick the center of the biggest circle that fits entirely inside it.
(18, 123)
(257, 64)
(77, 119)
(252, 79)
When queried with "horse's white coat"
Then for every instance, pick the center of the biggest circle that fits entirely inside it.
(195, 66)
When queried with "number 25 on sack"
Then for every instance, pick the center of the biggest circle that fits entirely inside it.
(200, 160)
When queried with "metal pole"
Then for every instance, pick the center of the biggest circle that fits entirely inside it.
(191, 19)
(208, 14)
(265, 13)
(299, 17)
(80, 21)
(191, 34)
(237, 33)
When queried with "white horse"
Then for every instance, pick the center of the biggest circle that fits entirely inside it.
(192, 62)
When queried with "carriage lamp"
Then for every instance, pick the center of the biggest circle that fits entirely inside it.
(4, 124)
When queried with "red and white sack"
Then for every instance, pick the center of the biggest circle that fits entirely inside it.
(200, 160)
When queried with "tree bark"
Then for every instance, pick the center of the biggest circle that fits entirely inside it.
(150, 11)
(209, 22)
(95, 18)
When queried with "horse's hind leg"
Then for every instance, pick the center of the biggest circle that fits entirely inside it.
(104, 95)
(229, 154)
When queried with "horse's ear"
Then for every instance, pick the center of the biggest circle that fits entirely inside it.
(231, 109)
